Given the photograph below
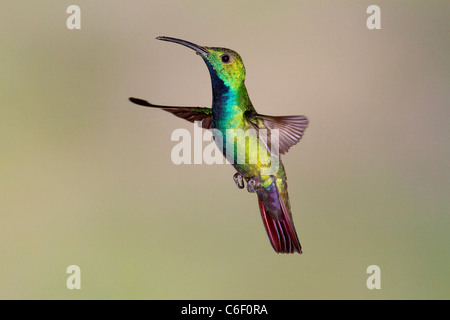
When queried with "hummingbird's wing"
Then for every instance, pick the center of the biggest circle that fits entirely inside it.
(189, 113)
(290, 129)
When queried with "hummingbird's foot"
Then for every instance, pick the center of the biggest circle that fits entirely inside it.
(252, 185)
(239, 180)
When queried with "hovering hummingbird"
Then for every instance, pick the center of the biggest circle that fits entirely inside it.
(232, 109)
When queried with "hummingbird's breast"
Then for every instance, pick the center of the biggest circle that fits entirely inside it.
(230, 125)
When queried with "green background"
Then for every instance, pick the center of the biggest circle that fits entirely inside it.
(86, 177)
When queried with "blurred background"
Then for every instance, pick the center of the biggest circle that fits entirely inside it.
(86, 177)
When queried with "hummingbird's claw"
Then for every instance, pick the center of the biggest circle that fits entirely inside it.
(252, 185)
(239, 180)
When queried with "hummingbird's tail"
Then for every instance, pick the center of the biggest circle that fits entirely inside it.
(278, 221)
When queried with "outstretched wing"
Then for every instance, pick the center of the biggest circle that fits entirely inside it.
(290, 129)
(188, 113)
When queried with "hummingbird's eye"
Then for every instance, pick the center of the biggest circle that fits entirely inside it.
(225, 58)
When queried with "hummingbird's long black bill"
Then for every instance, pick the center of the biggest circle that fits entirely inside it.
(199, 49)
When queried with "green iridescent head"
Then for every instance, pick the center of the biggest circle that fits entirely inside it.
(227, 64)
(224, 63)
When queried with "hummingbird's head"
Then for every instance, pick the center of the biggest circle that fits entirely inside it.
(226, 64)
(222, 63)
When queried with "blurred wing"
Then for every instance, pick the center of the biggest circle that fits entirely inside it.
(193, 114)
(290, 129)
(188, 113)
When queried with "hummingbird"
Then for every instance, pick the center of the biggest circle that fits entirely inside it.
(232, 110)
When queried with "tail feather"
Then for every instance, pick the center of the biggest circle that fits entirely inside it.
(280, 228)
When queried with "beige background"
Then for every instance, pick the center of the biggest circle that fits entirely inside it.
(86, 177)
